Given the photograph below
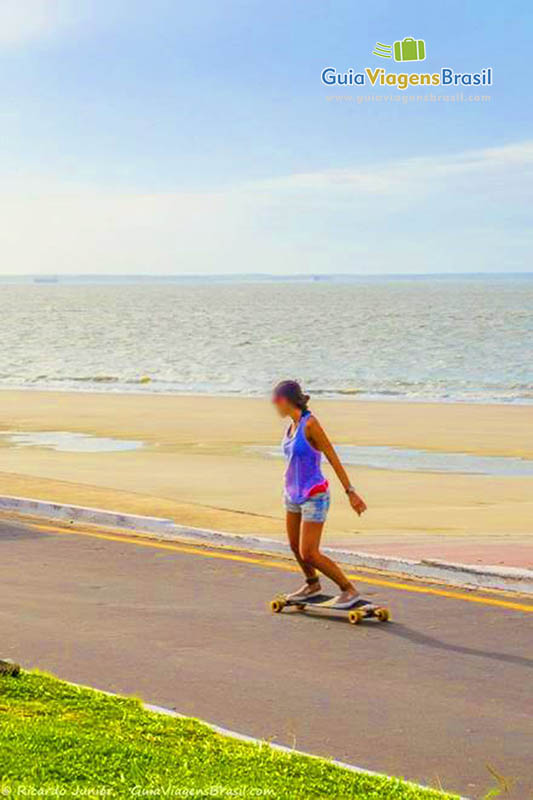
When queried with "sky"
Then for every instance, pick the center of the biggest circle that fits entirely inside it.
(197, 138)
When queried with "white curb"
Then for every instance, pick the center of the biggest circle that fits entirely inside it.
(242, 737)
(250, 739)
(510, 579)
(92, 516)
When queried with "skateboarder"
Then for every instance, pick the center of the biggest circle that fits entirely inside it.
(307, 493)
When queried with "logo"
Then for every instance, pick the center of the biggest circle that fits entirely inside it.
(404, 50)
(407, 49)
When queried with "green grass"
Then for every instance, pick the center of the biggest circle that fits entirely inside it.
(70, 742)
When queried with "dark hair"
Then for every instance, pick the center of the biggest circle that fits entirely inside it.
(292, 391)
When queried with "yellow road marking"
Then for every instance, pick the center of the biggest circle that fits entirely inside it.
(269, 562)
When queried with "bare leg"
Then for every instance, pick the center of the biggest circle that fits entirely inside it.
(293, 525)
(311, 555)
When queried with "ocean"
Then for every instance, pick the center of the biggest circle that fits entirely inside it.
(432, 338)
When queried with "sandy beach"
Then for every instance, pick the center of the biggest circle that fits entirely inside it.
(198, 466)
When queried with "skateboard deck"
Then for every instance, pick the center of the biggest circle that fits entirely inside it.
(358, 611)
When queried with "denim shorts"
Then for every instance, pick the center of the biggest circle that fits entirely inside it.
(315, 509)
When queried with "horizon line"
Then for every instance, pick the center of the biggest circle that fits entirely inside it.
(271, 275)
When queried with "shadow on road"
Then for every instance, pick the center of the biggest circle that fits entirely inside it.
(416, 637)
(398, 629)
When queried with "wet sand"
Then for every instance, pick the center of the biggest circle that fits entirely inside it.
(197, 468)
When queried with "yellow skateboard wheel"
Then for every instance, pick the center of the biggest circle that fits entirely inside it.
(355, 617)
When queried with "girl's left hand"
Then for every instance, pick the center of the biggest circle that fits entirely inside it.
(357, 503)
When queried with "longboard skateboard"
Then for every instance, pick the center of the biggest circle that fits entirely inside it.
(356, 612)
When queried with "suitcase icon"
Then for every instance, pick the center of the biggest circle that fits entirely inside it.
(409, 49)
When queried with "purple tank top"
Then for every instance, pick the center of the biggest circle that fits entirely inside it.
(303, 463)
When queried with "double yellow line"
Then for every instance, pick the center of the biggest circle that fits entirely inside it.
(266, 561)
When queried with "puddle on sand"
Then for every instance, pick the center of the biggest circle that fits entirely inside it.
(67, 442)
(410, 460)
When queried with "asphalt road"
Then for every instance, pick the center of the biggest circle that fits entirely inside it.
(442, 695)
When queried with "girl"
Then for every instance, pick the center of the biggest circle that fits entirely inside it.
(307, 494)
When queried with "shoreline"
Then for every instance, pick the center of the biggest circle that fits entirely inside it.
(196, 468)
(319, 395)
(424, 424)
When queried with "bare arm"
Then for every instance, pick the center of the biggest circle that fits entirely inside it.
(319, 439)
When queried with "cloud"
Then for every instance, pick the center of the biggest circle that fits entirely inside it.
(26, 22)
(105, 231)
(22, 21)
(427, 173)
(453, 213)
